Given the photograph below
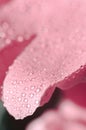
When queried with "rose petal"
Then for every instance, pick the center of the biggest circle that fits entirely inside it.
(57, 52)
(77, 94)
(4, 1)
(48, 121)
(69, 116)
(12, 51)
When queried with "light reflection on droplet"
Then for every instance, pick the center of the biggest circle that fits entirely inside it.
(23, 94)
(7, 91)
(28, 106)
(8, 41)
(19, 99)
(20, 39)
(37, 102)
(38, 90)
(7, 98)
(31, 95)
(25, 100)
(26, 88)
(44, 69)
(2, 35)
(32, 87)
(11, 91)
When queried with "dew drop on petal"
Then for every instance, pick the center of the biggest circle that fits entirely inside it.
(38, 90)
(23, 94)
(32, 87)
(25, 100)
(30, 111)
(23, 105)
(20, 39)
(7, 98)
(37, 102)
(11, 92)
(31, 95)
(26, 88)
(2, 35)
(7, 91)
(44, 69)
(19, 99)
(28, 105)
(21, 82)
(8, 41)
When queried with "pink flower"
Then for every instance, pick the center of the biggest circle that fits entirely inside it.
(70, 114)
(51, 54)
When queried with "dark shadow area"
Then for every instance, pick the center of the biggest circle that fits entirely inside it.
(9, 123)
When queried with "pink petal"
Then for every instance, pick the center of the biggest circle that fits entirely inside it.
(4, 2)
(8, 54)
(11, 42)
(77, 94)
(50, 120)
(56, 53)
(69, 116)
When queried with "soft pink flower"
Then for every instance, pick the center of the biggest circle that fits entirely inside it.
(51, 53)
(69, 115)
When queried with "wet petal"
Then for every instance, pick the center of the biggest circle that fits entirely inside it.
(57, 52)
(7, 55)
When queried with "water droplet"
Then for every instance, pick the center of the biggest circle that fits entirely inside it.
(14, 82)
(66, 78)
(23, 105)
(30, 111)
(31, 95)
(12, 99)
(44, 69)
(19, 99)
(34, 59)
(43, 85)
(20, 39)
(32, 87)
(30, 73)
(62, 75)
(11, 91)
(81, 67)
(7, 98)
(28, 105)
(7, 91)
(23, 94)
(38, 90)
(17, 108)
(2, 35)
(37, 102)
(25, 100)
(8, 41)
(20, 82)
(26, 88)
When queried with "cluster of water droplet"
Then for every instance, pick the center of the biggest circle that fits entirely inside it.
(7, 35)
(4, 33)
(25, 100)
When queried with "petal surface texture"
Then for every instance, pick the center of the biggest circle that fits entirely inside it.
(58, 51)
(68, 116)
